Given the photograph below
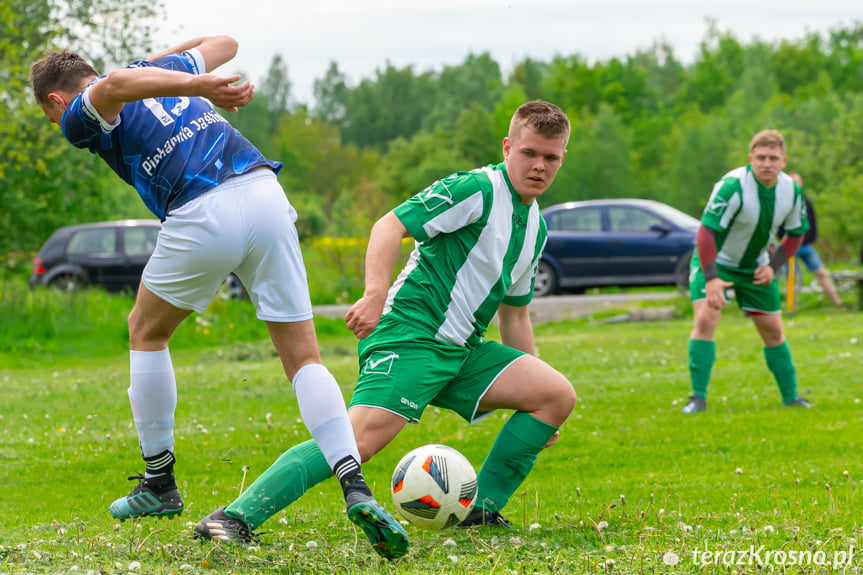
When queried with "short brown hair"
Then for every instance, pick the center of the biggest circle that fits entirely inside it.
(544, 117)
(769, 138)
(60, 70)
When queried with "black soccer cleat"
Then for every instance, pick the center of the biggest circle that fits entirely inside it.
(479, 517)
(218, 526)
(798, 401)
(696, 404)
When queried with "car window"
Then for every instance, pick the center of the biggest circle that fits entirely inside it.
(139, 241)
(626, 219)
(587, 219)
(98, 241)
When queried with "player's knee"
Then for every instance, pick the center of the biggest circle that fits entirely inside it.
(561, 399)
(145, 334)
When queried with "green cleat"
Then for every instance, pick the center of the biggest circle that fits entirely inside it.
(148, 499)
(388, 538)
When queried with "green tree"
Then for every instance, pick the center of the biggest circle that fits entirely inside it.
(474, 136)
(411, 166)
(393, 105)
(477, 81)
(714, 74)
(318, 168)
(44, 182)
(529, 74)
(331, 97)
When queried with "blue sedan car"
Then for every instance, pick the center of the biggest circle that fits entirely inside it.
(621, 242)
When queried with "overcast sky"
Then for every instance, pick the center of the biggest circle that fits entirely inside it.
(362, 35)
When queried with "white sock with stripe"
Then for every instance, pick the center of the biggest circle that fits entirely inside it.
(153, 397)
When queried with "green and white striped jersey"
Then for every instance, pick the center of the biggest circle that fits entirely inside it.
(744, 216)
(477, 246)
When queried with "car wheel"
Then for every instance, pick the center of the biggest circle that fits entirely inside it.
(68, 283)
(232, 288)
(681, 273)
(546, 280)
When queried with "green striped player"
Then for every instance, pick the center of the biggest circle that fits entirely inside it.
(478, 237)
(746, 208)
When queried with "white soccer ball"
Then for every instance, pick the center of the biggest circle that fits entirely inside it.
(434, 487)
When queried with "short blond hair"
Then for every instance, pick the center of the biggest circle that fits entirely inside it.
(769, 138)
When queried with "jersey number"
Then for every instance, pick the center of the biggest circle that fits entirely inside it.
(161, 114)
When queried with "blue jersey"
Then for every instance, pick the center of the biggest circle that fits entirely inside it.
(172, 149)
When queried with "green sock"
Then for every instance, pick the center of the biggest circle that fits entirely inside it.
(298, 469)
(702, 355)
(781, 364)
(511, 458)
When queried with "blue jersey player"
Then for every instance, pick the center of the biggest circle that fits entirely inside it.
(222, 211)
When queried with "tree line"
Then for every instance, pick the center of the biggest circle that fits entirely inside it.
(645, 125)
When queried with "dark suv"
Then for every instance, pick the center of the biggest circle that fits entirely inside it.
(111, 255)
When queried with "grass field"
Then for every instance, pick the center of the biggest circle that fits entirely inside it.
(632, 487)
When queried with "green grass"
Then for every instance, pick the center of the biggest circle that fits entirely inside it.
(747, 473)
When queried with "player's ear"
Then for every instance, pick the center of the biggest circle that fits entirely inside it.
(57, 99)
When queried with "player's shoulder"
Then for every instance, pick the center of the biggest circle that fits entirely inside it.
(732, 182)
(178, 62)
(462, 183)
(737, 175)
(785, 184)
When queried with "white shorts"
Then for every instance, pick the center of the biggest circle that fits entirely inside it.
(244, 225)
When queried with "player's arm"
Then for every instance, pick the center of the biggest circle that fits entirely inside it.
(516, 330)
(787, 248)
(111, 93)
(216, 50)
(382, 253)
(714, 286)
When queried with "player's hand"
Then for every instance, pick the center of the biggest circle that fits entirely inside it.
(763, 275)
(553, 439)
(715, 292)
(221, 91)
(363, 317)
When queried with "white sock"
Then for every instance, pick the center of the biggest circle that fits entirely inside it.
(322, 407)
(153, 396)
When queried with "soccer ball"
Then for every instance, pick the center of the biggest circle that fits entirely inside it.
(434, 487)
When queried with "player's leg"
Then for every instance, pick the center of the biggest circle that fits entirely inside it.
(764, 306)
(297, 470)
(499, 377)
(777, 354)
(701, 349)
(192, 257)
(274, 274)
(810, 257)
(153, 397)
(198, 245)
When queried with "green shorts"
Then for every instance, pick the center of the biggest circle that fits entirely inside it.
(403, 371)
(750, 297)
